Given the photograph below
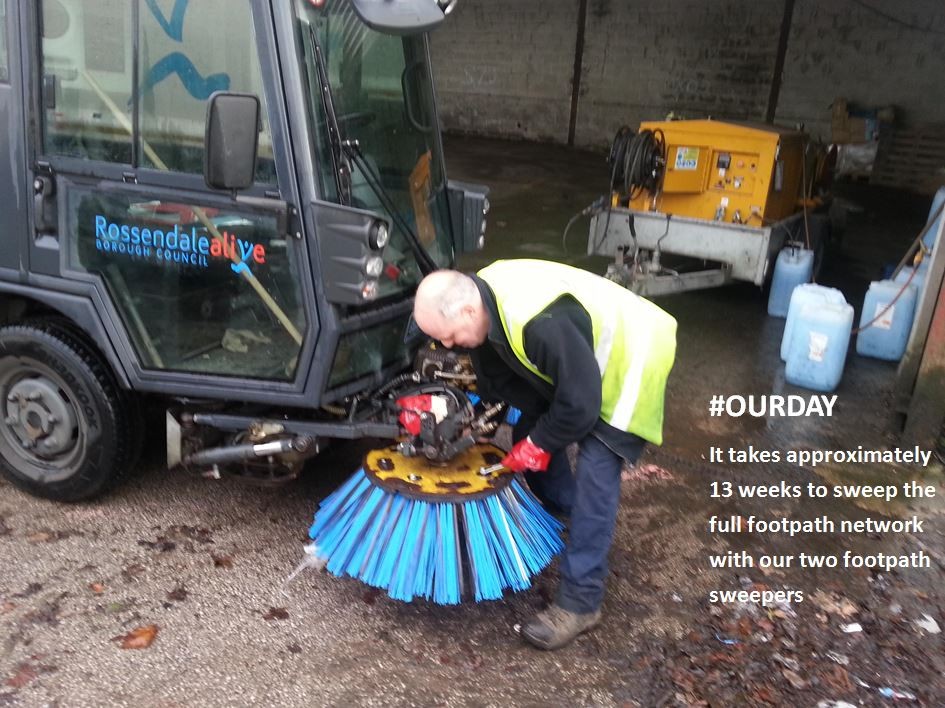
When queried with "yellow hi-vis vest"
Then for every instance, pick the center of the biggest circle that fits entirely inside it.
(634, 340)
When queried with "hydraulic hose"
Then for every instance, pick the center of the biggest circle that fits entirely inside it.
(643, 162)
(638, 161)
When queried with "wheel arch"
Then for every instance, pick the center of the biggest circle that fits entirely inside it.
(18, 303)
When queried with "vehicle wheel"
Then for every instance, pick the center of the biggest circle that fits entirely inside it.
(68, 430)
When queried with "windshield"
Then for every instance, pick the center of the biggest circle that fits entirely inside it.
(383, 99)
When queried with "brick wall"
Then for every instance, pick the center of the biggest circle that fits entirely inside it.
(695, 58)
(505, 68)
(841, 49)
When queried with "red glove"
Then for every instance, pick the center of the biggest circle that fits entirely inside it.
(412, 406)
(526, 455)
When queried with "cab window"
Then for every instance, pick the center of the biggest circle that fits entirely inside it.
(86, 80)
(200, 287)
(186, 51)
(4, 59)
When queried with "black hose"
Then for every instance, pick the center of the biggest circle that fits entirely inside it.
(644, 160)
(618, 151)
(637, 165)
(594, 208)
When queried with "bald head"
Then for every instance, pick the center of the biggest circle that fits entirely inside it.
(449, 308)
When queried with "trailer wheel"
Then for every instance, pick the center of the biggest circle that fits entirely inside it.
(68, 431)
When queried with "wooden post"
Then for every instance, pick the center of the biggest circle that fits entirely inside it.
(926, 412)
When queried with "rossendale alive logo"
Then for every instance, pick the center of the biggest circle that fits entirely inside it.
(177, 245)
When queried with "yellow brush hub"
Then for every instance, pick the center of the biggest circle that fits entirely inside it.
(457, 480)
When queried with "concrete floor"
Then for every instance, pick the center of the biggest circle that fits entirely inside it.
(204, 560)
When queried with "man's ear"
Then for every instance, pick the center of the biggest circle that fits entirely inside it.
(469, 312)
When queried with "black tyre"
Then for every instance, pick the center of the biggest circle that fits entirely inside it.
(68, 431)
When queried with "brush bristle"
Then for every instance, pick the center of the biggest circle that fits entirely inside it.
(435, 550)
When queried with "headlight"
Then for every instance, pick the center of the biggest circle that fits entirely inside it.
(374, 266)
(485, 205)
(380, 235)
(369, 289)
(481, 242)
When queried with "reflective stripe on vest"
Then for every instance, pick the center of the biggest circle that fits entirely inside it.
(634, 340)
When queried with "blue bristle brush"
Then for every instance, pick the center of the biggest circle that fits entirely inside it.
(469, 530)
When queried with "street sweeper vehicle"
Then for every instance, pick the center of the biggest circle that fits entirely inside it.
(226, 206)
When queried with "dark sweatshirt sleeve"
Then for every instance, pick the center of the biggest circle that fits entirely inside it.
(497, 382)
(560, 343)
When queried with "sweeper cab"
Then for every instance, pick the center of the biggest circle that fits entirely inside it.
(224, 208)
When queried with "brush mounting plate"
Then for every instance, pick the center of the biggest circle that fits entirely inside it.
(455, 481)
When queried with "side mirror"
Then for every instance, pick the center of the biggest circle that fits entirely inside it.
(231, 139)
(469, 205)
(401, 17)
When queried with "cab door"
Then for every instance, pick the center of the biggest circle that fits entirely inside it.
(13, 193)
(206, 293)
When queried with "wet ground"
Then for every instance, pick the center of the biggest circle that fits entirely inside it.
(203, 561)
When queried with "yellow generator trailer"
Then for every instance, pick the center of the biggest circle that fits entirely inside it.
(722, 192)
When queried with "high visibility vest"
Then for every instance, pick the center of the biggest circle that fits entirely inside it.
(634, 340)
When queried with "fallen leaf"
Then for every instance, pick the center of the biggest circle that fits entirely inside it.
(24, 674)
(7, 607)
(838, 679)
(294, 648)
(221, 561)
(786, 661)
(767, 694)
(48, 536)
(276, 613)
(645, 473)
(794, 678)
(140, 638)
(834, 604)
(97, 588)
(178, 594)
(744, 627)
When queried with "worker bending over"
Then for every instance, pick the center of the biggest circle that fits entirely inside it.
(586, 361)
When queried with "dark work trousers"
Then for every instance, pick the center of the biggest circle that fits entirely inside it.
(590, 497)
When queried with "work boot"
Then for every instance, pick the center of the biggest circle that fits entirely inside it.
(556, 626)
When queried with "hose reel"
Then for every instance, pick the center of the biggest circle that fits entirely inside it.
(638, 161)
